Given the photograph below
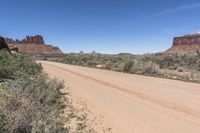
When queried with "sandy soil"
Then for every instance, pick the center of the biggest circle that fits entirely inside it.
(131, 103)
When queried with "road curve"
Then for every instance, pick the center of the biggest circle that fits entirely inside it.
(132, 103)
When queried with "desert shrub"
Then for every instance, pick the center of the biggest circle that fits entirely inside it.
(151, 68)
(6, 65)
(128, 66)
(182, 67)
(173, 62)
(32, 104)
(29, 101)
(13, 66)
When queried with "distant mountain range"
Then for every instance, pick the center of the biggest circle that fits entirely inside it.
(187, 44)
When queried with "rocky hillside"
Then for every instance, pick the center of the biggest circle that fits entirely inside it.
(33, 45)
(188, 44)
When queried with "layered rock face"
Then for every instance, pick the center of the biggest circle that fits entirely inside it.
(188, 44)
(187, 40)
(29, 39)
(33, 45)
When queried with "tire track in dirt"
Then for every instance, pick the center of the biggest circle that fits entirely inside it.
(160, 102)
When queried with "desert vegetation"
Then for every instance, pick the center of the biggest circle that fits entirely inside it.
(31, 102)
(173, 66)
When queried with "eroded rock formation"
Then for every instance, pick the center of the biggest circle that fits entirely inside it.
(33, 45)
(3, 44)
(29, 39)
(187, 40)
(188, 44)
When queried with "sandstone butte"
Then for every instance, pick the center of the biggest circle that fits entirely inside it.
(33, 45)
(188, 44)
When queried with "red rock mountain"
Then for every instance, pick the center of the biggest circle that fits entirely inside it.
(185, 44)
(33, 45)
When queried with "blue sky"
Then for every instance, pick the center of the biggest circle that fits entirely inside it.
(107, 26)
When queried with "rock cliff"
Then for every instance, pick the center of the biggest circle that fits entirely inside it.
(33, 45)
(188, 44)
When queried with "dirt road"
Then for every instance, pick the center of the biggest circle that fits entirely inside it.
(131, 103)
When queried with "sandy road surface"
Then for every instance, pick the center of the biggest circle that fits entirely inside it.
(131, 103)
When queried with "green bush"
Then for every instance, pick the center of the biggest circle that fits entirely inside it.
(13, 66)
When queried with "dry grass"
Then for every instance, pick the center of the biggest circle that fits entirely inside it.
(182, 67)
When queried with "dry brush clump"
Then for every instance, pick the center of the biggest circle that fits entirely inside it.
(141, 67)
(29, 100)
(31, 105)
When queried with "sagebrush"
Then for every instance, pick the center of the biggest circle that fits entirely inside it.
(29, 100)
